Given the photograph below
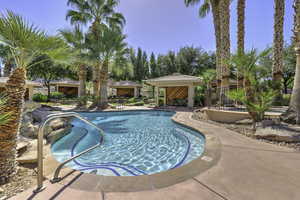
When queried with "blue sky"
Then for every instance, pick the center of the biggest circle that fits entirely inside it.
(162, 25)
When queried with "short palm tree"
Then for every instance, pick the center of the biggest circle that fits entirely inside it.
(25, 42)
(278, 43)
(76, 39)
(247, 65)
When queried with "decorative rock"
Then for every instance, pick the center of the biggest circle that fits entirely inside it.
(57, 134)
(279, 135)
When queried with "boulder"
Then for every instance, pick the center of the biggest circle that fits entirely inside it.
(277, 134)
(57, 134)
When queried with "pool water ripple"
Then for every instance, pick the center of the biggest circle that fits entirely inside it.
(135, 143)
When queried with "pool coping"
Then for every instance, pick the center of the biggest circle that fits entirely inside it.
(209, 158)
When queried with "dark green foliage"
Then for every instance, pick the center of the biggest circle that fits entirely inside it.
(189, 61)
(39, 97)
(57, 95)
(42, 67)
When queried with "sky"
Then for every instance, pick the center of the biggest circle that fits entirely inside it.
(162, 25)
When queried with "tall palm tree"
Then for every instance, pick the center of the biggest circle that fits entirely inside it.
(277, 69)
(241, 26)
(205, 8)
(241, 5)
(295, 100)
(97, 12)
(76, 39)
(107, 46)
(225, 48)
(25, 42)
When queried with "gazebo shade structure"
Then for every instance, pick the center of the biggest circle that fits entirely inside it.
(69, 88)
(176, 87)
(30, 85)
(126, 88)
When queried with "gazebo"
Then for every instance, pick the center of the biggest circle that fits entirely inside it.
(69, 88)
(30, 85)
(126, 88)
(175, 87)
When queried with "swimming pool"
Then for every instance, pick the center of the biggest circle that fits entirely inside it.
(135, 143)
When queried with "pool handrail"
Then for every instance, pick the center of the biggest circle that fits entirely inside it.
(41, 130)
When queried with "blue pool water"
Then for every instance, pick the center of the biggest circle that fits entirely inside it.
(135, 143)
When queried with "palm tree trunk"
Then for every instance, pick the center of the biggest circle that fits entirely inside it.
(295, 100)
(7, 69)
(103, 103)
(250, 96)
(241, 26)
(82, 84)
(278, 43)
(240, 33)
(15, 89)
(216, 17)
(96, 85)
(225, 48)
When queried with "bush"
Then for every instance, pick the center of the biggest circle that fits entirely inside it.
(286, 99)
(57, 95)
(39, 97)
(140, 103)
(132, 100)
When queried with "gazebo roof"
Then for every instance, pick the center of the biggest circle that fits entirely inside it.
(175, 79)
(124, 84)
(66, 82)
(3, 80)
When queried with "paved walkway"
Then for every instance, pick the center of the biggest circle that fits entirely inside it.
(248, 170)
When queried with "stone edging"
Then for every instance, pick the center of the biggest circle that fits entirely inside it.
(208, 159)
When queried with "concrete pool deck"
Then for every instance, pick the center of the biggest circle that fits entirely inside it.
(247, 170)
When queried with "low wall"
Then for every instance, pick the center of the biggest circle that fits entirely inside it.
(225, 116)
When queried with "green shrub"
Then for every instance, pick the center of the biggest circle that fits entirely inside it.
(57, 95)
(286, 99)
(39, 97)
(132, 100)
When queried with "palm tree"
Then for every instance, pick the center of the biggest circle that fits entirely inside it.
(205, 8)
(295, 100)
(241, 25)
(277, 69)
(76, 39)
(225, 48)
(107, 46)
(97, 12)
(247, 64)
(208, 77)
(241, 31)
(25, 42)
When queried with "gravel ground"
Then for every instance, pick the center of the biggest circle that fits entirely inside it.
(25, 179)
(244, 128)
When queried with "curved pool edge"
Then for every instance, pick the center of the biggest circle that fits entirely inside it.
(209, 158)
